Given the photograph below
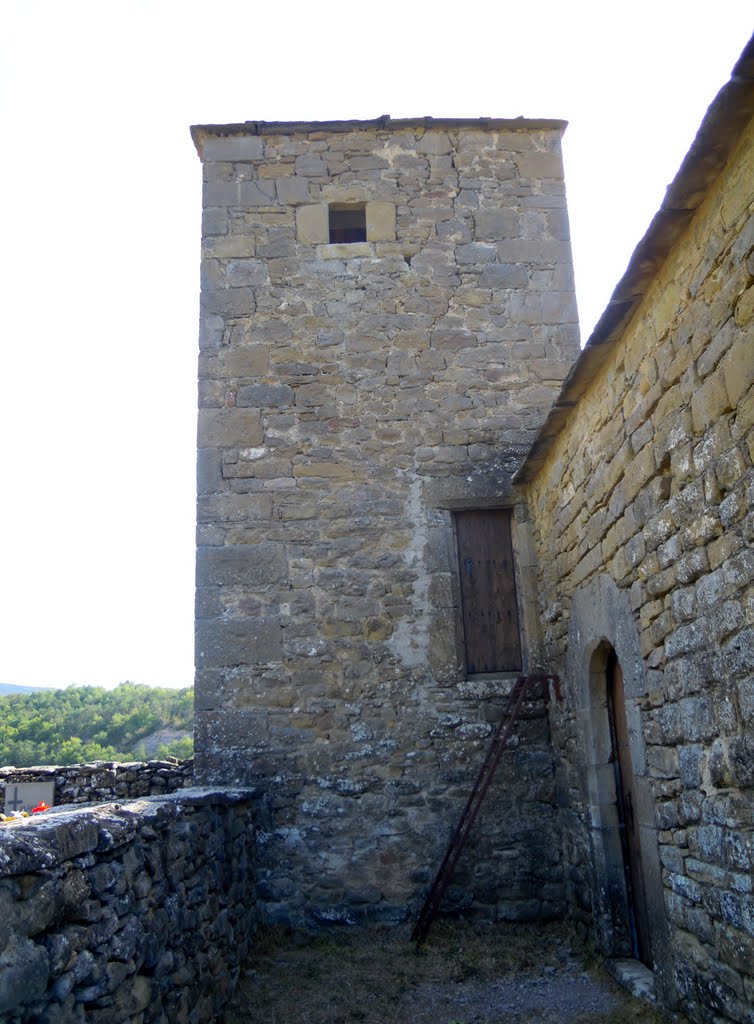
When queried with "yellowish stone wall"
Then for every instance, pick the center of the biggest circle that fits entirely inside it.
(650, 483)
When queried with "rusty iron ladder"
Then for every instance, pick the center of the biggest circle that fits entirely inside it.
(473, 804)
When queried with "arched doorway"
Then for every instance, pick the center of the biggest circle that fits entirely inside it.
(605, 672)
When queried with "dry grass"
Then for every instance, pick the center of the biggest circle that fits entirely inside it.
(463, 975)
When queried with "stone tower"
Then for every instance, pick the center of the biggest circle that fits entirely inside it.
(388, 312)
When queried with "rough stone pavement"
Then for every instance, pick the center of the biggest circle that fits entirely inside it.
(501, 976)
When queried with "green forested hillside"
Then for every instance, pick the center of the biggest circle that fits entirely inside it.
(89, 723)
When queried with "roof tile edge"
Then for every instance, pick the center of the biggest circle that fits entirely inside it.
(714, 143)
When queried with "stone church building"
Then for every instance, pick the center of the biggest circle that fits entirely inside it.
(414, 488)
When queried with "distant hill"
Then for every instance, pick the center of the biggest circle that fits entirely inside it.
(89, 723)
(14, 688)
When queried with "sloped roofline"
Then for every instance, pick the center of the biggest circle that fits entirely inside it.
(716, 139)
(200, 132)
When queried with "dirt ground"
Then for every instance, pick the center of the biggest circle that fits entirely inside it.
(506, 974)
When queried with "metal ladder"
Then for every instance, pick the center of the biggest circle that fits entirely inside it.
(473, 804)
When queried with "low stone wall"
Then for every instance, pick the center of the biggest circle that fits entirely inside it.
(103, 781)
(140, 913)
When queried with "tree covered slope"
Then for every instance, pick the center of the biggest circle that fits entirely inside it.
(89, 723)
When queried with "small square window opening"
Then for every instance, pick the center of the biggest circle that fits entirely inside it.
(348, 223)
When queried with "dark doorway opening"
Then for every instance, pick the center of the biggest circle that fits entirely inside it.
(488, 591)
(628, 824)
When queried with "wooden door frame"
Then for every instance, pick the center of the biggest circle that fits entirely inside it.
(476, 647)
(525, 587)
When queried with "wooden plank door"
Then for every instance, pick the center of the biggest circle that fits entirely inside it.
(625, 792)
(488, 591)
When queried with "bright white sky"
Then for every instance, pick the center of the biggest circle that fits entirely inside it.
(101, 241)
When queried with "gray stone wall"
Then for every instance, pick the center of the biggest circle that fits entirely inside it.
(644, 524)
(141, 912)
(351, 398)
(104, 781)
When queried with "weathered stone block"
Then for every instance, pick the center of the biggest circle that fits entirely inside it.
(257, 193)
(246, 273)
(434, 143)
(330, 253)
(503, 276)
(23, 974)
(248, 565)
(710, 401)
(228, 428)
(686, 638)
(745, 308)
(496, 223)
(232, 302)
(214, 222)
(220, 194)
(539, 165)
(253, 641)
(225, 246)
(234, 148)
(716, 348)
(475, 253)
(236, 361)
(381, 219)
(638, 471)
(692, 566)
(311, 165)
(453, 339)
(729, 468)
(312, 224)
(293, 191)
(278, 396)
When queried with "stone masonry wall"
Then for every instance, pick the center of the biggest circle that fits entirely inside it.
(136, 913)
(103, 781)
(651, 484)
(352, 397)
